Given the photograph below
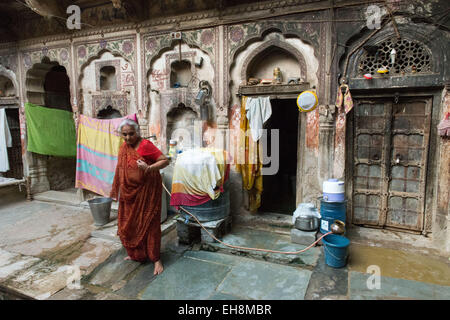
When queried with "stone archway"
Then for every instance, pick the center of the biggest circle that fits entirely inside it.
(47, 84)
(275, 44)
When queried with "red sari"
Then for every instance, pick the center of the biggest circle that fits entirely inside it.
(139, 216)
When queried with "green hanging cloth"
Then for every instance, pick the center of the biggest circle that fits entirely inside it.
(50, 131)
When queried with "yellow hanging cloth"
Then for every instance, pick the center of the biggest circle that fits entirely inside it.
(249, 162)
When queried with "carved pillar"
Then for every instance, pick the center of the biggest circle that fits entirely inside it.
(222, 129)
(326, 141)
(38, 172)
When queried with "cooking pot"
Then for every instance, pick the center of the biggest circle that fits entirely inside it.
(307, 223)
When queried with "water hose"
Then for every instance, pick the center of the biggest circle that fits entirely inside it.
(246, 248)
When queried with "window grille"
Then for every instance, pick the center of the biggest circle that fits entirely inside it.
(411, 57)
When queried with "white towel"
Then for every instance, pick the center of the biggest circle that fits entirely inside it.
(5, 141)
(259, 111)
(197, 170)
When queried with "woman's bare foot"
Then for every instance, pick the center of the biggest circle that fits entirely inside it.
(127, 258)
(158, 267)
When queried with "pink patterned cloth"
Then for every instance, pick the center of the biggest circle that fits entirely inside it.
(345, 98)
(444, 126)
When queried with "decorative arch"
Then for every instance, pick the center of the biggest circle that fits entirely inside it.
(280, 44)
(116, 100)
(11, 76)
(155, 46)
(56, 55)
(242, 36)
(35, 81)
(418, 34)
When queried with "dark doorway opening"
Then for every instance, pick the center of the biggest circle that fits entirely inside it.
(279, 190)
(15, 152)
(108, 113)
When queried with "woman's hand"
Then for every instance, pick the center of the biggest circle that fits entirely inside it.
(141, 164)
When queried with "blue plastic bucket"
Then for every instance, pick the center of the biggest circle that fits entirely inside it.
(335, 248)
(330, 211)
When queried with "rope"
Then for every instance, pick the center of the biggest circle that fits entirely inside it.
(246, 248)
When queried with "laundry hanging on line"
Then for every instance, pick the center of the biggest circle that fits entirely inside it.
(98, 143)
(50, 131)
(258, 111)
(250, 161)
(344, 99)
(5, 141)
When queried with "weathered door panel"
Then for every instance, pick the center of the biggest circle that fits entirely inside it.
(390, 151)
(369, 161)
(408, 161)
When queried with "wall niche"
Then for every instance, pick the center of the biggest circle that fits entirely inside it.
(6, 87)
(263, 64)
(180, 125)
(108, 78)
(180, 74)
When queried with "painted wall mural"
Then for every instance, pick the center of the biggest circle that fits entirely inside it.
(240, 34)
(204, 39)
(9, 61)
(122, 47)
(60, 55)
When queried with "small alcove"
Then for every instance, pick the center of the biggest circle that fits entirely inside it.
(180, 125)
(6, 87)
(108, 78)
(262, 65)
(180, 74)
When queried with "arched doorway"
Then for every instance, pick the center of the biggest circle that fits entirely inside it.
(8, 103)
(279, 189)
(48, 85)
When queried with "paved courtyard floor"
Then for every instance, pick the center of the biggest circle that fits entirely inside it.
(43, 245)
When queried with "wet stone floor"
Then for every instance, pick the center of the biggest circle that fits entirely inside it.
(34, 258)
(211, 272)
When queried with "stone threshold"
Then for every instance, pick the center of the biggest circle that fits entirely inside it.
(393, 240)
(267, 221)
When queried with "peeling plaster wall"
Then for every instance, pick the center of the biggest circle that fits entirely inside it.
(308, 142)
(163, 98)
(441, 227)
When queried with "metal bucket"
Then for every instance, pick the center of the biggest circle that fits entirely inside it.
(101, 210)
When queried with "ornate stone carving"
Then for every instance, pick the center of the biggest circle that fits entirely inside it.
(118, 101)
(326, 114)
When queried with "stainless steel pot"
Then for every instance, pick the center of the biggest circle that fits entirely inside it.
(307, 223)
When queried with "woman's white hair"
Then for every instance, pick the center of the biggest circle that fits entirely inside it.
(131, 123)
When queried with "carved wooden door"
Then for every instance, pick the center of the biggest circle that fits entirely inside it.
(390, 152)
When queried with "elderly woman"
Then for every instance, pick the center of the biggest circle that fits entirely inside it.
(139, 182)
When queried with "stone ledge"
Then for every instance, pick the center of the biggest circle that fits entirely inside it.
(303, 237)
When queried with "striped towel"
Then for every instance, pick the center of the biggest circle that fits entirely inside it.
(98, 145)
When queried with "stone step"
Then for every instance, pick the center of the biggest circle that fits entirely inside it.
(59, 197)
(252, 238)
(271, 222)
